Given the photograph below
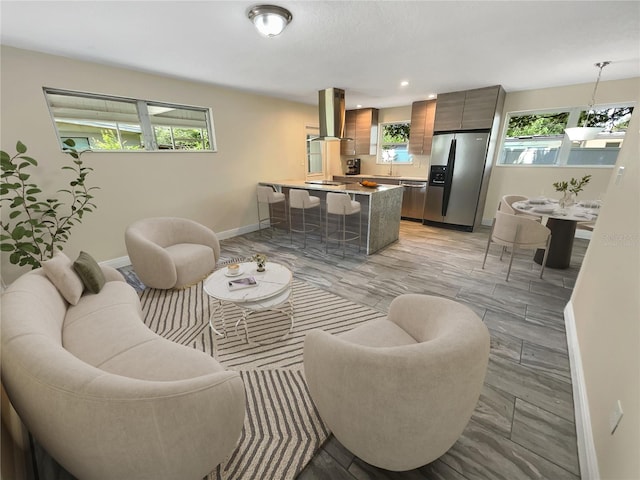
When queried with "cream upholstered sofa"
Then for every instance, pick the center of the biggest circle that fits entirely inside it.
(171, 252)
(107, 397)
(398, 392)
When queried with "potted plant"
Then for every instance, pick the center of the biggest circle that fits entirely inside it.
(261, 260)
(570, 189)
(35, 228)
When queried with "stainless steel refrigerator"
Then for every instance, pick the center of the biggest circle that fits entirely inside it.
(458, 179)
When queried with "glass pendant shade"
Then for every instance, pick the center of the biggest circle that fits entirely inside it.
(270, 20)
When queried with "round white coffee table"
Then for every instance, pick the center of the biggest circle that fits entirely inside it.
(272, 292)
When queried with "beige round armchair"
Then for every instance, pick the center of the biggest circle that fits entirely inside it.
(169, 252)
(399, 392)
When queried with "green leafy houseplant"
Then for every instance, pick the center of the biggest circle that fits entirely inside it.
(36, 228)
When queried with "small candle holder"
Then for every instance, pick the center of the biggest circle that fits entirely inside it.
(261, 260)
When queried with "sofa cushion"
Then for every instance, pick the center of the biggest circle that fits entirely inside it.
(89, 272)
(59, 271)
(106, 330)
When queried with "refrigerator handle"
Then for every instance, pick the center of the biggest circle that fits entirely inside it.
(451, 162)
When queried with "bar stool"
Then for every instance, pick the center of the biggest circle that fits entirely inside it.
(301, 200)
(341, 204)
(267, 195)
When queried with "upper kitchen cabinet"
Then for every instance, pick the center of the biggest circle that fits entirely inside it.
(361, 128)
(467, 110)
(421, 134)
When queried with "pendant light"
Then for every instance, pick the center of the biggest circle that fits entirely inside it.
(580, 134)
(270, 20)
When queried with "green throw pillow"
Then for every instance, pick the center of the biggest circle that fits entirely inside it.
(89, 272)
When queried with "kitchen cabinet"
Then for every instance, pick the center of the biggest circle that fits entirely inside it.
(361, 128)
(422, 118)
(467, 110)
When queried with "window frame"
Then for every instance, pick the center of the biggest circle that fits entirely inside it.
(565, 149)
(147, 135)
(379, 158)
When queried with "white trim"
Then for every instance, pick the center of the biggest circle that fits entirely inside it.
(586, 234)
(237, 231)
(124, 261)
(586, 447)
(117, 262)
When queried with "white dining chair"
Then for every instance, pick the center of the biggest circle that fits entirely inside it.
(507, 201)
(518, 231)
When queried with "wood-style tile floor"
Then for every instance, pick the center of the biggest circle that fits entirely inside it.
(524, 425)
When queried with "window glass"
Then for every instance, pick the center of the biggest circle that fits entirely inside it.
(538, 138)
(394, 143)
(603, 150)
(177, 128)
(107, 124)
(112, 123)
(314, 151)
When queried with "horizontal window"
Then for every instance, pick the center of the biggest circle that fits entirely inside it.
(99, 123)
(394, 143)
(538, 138)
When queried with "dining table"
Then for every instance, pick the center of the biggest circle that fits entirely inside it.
(562, 221)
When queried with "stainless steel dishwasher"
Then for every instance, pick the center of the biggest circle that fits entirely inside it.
(413, 198)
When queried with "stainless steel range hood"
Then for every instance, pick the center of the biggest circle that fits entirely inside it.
(331, 108)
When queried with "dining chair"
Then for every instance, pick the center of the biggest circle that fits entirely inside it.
(507, 201)
(518, 231)
(589, 226)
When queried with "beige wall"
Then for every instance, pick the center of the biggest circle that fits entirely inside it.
(606, 306)
(258, 138)
(537, 180)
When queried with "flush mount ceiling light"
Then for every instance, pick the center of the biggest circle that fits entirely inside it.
(580, 134)
(270, 20)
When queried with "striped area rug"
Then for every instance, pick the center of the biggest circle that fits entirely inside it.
(282, 429)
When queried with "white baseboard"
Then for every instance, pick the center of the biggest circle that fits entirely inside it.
(586, 448)
(124, 261)
(583, 234)
(117, 262)
(234, 232)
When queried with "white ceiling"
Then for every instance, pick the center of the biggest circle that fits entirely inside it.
(365, 47)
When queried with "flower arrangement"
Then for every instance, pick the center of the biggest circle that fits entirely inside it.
(574, 186)
(570, 189)
(261, 260)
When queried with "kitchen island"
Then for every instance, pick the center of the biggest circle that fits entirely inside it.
(381, 207)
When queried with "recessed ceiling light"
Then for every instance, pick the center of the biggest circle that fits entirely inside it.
(404, 83)
(432, 95)
(358, 106)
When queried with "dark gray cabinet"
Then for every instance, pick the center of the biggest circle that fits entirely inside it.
(421, 134)
(467, 110)
(361, 128)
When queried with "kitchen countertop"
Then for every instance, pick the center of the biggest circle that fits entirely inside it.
(390, 177)
(347, 188)
(381, 208)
